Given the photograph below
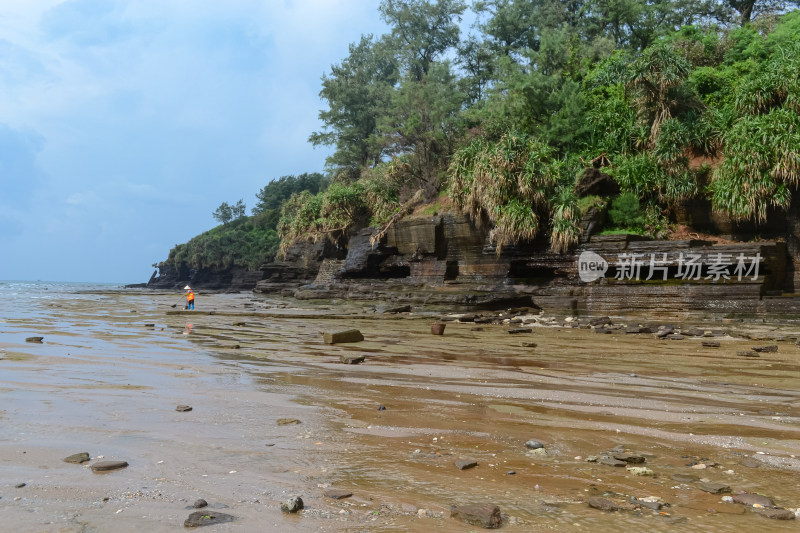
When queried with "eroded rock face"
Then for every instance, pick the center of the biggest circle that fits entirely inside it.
(449, 260)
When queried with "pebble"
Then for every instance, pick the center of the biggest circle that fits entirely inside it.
(534, 445)
(292, 505)
(183, 408)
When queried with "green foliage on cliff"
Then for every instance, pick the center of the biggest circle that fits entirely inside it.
(673, 100)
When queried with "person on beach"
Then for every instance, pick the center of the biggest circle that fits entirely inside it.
(189, 297)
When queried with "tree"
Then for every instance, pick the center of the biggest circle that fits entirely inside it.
(422, 30)
(224, 213)
(358, 92)
(238, 210)
(272, 195)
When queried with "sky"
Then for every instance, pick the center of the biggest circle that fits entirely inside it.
(124, 124)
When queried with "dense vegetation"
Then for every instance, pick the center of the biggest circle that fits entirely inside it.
(676, 99)
(240, 240)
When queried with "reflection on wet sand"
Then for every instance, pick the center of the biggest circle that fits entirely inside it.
(389, 430)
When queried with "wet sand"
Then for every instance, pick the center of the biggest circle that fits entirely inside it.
(106, 383)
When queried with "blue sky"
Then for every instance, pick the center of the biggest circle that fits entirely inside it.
(124, 124)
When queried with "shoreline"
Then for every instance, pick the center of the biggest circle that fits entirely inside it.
(106, 382)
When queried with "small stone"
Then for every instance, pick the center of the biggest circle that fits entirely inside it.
(710, 344)
(108, 466)
(199, 504)
(747, 354)
(534, 444)
(591, 459)
(751, 499)
(537, 452)
(610, 461)
(206, 518)
(292, 505)
(381, 408)
(714, 488)
(684, 478)
(34, 339)
(514, 331)
(287, 421)
(350, 359)
(438, 328)
(765, 349)
(700, 466)
(777, 514)
(350, 335)
(603, 504)
(510, 473)
(464, 464)
(19, 485)
(338, 494)
(528, 344)
(78, 458)
(483, 515)
(629, 458)
(749, 462)
(640, 471)
(183, 408)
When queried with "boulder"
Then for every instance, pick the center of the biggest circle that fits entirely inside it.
(206, 518)
(292, 505)
(750, 499)
(78, 458)
(486, 516)
(349, 335)
(603, 504)
(776, 514)
(107, 466)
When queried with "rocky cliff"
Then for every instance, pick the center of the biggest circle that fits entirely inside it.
(448, 260)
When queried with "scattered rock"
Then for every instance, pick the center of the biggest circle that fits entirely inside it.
(292, 505)
(338, 494)
(206, 518)
(520, 330)
(484, 515)
(750, 499)
(464, 464)
(398, 309)
(629, 458)
(749, 462)
(714, 488)
(610, 461)
(349, 335)
(534, 445)
(199, 504)
(711, 344)
(78, 458)
(287, 421)
(437, 328)
(34, 339)
(776, 514)
(765, 349)
(107, 466)
(603, 504)
(601, 321)
(350, 359)
(183, 408)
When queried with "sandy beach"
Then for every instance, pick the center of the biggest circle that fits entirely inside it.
(275, 414)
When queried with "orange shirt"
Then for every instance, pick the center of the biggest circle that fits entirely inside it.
(189, 296)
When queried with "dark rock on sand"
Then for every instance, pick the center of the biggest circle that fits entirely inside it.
(765, 349)
(206, 518)
(486, 516)
(464, 464)
(381, 408)
(287, 421)
(714, 488)
(338, 494)
(528, 344)
(183, 408)
(534, 445)
(751, 498)
(601, 321)
(350, 359)
(610, 461)
(292, 505)
(776, 514)
(349, 335)
(398, 309)
(77, 458)
(710, 344)
(108, 466)
(596, 502)
(20, 485)
(520, 330)
(629, 458)
(750, 353)
(34, 339)
(199, 504)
